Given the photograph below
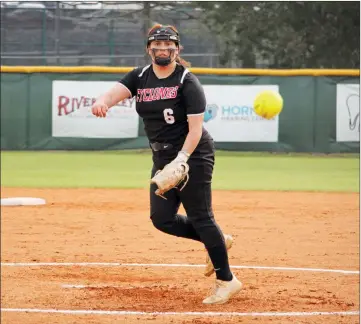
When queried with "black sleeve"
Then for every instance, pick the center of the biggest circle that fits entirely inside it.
(131, 80)
(193, 95)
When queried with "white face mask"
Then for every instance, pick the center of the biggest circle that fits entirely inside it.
(163, 47)
(163, 55)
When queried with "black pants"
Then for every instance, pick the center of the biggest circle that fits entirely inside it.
(196, 198)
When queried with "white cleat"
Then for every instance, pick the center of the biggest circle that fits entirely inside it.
(209, 270)
(224, 291)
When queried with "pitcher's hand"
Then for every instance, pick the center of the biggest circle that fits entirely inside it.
(100, 110)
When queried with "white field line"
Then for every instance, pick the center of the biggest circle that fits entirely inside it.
(100, 286)
(208, 314)
(115, 264)
(80, 286)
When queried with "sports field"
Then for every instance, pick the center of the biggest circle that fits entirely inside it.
(92, 255)
(131, 169)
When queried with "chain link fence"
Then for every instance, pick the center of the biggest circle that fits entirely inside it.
(107, 36)
(214, 34)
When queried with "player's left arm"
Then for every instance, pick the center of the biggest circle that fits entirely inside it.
(195, 104)
(195, 125)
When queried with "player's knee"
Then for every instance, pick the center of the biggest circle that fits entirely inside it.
(202, 219)
(203, 225)
(159, 222)
(159, 225)
(208, 230)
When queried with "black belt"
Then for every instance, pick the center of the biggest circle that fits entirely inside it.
(160, 146)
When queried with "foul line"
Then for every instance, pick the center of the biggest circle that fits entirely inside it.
(114, 264)
(209, 314)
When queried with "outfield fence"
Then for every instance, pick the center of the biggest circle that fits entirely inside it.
(48, 108)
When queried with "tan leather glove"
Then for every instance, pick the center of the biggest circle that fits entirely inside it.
(172, 175)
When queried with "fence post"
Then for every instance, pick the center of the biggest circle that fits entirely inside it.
(111, 42)
(57, 32)
(146, 23)
(43, 37)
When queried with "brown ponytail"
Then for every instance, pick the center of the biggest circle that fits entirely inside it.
(179, 60)
(183, 62)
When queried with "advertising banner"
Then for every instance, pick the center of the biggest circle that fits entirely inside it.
(230, 116)
(348, 113)
(72, 117)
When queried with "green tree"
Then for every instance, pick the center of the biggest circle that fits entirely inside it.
(286, 34)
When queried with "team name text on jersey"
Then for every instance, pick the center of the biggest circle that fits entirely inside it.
(153, 94)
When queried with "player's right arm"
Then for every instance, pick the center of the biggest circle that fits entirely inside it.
(109, 99)
(125, 88)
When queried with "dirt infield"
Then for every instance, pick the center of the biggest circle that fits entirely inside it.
(273, 229)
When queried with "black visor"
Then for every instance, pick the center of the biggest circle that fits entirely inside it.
(164, 34)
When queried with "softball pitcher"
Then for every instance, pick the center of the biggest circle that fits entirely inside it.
(171, 102)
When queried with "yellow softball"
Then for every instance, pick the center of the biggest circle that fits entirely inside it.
(268, 104)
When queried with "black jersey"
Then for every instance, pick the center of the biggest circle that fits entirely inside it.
(164, 104)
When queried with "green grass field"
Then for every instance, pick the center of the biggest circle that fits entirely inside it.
(131, 169)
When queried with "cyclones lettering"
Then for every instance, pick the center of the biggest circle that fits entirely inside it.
(153, 94)
(67, 105)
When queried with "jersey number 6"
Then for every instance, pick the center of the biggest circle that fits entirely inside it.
(168, 116)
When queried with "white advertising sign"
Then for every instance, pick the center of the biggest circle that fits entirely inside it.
(72, 117)
(230, 117)
(348, 113)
